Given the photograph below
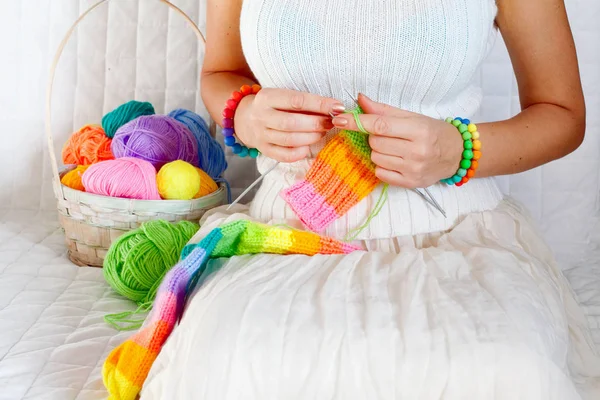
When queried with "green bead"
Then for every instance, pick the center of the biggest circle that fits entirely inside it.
(466, 164)
(462, 128)
(461, 172)
(468, 144)
(449, 120)
(456, 178)
(456, 123)
(468, 154)
(253, 153)
(467, 135)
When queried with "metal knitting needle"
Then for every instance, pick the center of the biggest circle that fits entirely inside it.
(257, 181)
(437, 205)
(429, 198)
(260, 178)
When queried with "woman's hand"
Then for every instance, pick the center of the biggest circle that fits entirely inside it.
(410, 150)
(282, 123)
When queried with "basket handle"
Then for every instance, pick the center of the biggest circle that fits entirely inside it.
(58, 192)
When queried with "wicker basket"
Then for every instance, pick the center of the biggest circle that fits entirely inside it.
(91, 222)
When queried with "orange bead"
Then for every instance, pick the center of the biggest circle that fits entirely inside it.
(476, 145)
(246, 90)
(464, 180)
(470, 173)
(474, 165)
(255, 89)
(476, 155)
(237, 96)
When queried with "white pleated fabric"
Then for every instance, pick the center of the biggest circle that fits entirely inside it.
(478, 312)
(418, 55)
(472, 307)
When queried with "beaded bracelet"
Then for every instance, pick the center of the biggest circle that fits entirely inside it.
(470, 154)
(228, 114)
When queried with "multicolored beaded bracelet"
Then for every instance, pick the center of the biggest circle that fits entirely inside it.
(228, 114)
(470, 154)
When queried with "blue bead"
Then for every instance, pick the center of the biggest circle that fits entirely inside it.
(466, 121)
(243, 152)
(229, 140)
(456, 178)
(236, 148)
(459, 119)
(228, 132)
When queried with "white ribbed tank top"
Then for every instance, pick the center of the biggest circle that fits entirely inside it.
(418, 55)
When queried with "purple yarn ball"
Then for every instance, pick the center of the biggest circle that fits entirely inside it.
(158, 139)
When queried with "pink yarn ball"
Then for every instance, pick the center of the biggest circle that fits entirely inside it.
(127, 177)
(158, 139)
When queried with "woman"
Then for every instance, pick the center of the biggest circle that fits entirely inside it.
(471, 306)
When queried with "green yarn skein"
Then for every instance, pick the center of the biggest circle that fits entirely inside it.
(121, 115)
(138, 260)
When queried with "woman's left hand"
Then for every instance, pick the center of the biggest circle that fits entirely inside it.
(410, 150)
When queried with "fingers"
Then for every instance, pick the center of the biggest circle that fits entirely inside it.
(371, 107)
(390, 146)
(294, 122)
(292, 139)
(292, 100)
(285, 154)
(381, 125)
(388, 162)
(394, 178)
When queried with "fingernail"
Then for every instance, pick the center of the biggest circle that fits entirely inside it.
(339, 121)
(338, 108)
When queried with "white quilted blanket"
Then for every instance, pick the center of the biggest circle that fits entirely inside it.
(53, 339)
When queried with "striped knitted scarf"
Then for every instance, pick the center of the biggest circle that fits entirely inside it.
(339, 178)
(128, 365)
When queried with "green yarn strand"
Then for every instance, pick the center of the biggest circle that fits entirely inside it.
(383, 197)
(137, 262)
(121, 115)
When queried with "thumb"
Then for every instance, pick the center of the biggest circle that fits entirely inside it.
(372, 107)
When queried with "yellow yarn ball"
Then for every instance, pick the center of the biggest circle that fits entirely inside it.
(207, 185)
(178, 180)
(72, 178)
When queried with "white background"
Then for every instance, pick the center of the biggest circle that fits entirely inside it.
(137, 49)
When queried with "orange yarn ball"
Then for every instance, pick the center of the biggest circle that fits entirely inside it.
(207, 185)
(87, 146)
(72, 178)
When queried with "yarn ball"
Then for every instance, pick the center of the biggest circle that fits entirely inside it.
(87, 146)
(211, 157)
(127, 177)
(158, 139)
(72, 178)
(207, 185)
(137, 261)
(178, 180)
(123, 114)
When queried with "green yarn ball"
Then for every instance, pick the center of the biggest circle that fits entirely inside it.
(138, 260)
(121, 115)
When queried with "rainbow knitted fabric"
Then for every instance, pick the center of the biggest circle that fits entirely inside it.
(340, 177)
(128, 365)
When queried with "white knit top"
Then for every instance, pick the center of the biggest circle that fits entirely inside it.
(418, 55)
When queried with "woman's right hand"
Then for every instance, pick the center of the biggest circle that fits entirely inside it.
(283, 123)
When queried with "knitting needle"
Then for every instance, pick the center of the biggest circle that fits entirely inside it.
(260, 178)
(437, 205)
(429, 198)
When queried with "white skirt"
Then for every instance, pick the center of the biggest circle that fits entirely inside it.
(477, 312)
